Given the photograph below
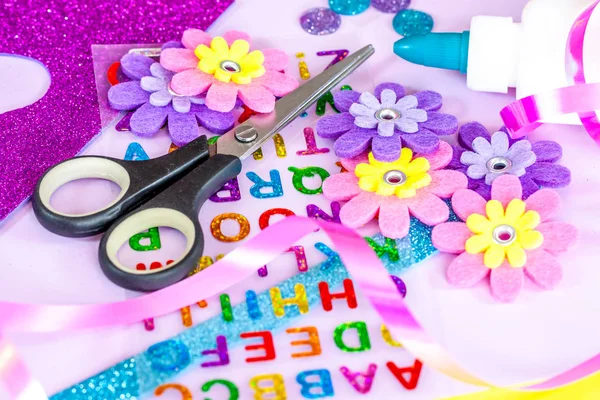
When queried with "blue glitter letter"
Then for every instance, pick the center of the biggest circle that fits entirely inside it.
(170, 355)
(259, 184)
(252, 304)
(324, 383)
(135, 152)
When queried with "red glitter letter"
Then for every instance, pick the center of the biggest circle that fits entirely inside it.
(414, 371)
(266, 345)
(347, 294)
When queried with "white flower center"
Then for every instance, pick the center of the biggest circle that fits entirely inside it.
(504, 234)
(387, 114)
(499, 164)
(395, 177)
(230, 66)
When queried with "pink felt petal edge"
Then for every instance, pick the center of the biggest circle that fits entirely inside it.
(275, 59)
(543, 268)
(558, 236)
(191, 82)
(445, 183)
(506, 282)
(507, 188)
(466, 202)
(341, 187)
(440, 158)
(394, 219)
(232, 36)
(351, 163)
(545, 202)
(193, 38)
(178, 60)
(450, 237)
(428, 208)
(466, 270)
(360, 210)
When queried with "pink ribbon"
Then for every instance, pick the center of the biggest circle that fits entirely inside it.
(525, 115)
(366, 269)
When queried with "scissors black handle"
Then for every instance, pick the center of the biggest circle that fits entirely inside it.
(176, 207)
(139, 180)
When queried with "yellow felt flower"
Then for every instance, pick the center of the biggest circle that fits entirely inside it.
(503, 234)
(401, 178)
(230, 63)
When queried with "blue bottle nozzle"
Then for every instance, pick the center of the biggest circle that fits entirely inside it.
(439, 50)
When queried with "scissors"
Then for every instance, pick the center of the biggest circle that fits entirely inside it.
(170, 190)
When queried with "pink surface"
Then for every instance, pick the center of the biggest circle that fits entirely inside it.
(534, 337)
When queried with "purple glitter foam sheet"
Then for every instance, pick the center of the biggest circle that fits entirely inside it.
(60, 34)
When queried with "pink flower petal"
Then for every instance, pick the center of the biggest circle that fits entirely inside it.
(450, 237)
(257, 97)
(394, 219)
(545, 201)
(222, 96)
(445, 183)
(428, 208)
(341, 187)
(193, 38)
(506, 282)
(506, 188)
(351, 163)
(466, 270)
(275, 59)
(178, 60)
(191, 82)
(466, 202)
(360, 210)
(440, 158)
(277, 83)
(558, 236)
(543, 268)
(232, 36)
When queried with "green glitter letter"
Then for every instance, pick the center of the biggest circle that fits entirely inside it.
(234, 393)
(389, 247)
(152, 234)
(363, 337)
(308, 172)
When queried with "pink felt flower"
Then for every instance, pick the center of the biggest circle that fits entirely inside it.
(394, 191)
(505, 237)
(226, 68)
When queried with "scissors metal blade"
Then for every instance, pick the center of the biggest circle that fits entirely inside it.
(249, 136)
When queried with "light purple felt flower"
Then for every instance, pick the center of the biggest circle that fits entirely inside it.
(385, 121)
(154, 104)
(484, 157)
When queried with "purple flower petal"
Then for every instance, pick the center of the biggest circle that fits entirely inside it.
(359, 109)
(158, 71)
(214, 121)
(397, 88)
(416, 114)
(354, 142)
(365, 122)
(429, 100)
(484, 190)
(127, 96)
(424, 142)
(528, 185)
(441, 124)
(483, 147)
(136, 66)
(522, 160)
(183, 128)
(477, 171)
(547, 150)
(160, 98)
(406, 125)
(388, 98)
(344, 99)
(549, 175)
(153, 84)
(181, 104)
(519, 148)
(455, 163)
(468, 133)
(472, 158)
(406, 103)
(173, 44)
(385, 128)
(147, 120)
(369, 100)
(386, 149)
(333, 126)
(499, 143)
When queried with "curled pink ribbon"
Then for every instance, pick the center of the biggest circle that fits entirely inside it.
(362, 263)
(525, 115)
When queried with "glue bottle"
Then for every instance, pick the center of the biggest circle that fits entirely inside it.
(498, 54)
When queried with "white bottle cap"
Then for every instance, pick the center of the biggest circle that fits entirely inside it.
(493, 52)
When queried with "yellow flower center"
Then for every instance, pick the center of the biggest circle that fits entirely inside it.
(504, 234)
(230, 63)
(401, 178)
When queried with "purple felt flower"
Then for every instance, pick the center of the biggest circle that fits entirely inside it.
(149, 94)
(484, 157)
(385, 121)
